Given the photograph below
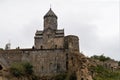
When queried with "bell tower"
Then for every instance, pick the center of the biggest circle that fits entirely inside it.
(50, 20)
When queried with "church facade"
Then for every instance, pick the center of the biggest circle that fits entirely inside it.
(53, 53)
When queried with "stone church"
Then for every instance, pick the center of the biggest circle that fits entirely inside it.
(53, 53)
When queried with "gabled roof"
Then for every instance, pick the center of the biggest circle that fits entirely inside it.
(50, 13)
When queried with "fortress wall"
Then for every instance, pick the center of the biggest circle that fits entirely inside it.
(7, 57)
(45, 62)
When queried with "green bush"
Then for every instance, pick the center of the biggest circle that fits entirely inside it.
(1, 49)
(17, 70)
(21, 69)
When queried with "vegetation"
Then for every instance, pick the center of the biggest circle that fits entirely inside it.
(22, 69)
(101, 58)
(1, 48)
(66, 76)
(100, 72)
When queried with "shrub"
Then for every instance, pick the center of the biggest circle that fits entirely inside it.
(17, 70)
(21, 69)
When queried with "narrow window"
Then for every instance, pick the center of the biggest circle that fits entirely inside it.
(72, 58)
(55, 46)
(58, 67)
(67, 56)
(66, 65)
(41, 47)
(1, 67)
(82, 79)
(66, 61)
(42, 68)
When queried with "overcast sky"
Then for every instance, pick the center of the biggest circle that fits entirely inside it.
(96, 22)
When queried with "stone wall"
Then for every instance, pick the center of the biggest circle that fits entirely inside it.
(45, 62)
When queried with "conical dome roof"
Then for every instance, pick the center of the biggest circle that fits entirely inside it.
(50, 13)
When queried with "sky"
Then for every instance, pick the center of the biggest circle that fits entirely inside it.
(95, 22)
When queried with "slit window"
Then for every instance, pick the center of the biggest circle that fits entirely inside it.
(55, 46)
(41, 47)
